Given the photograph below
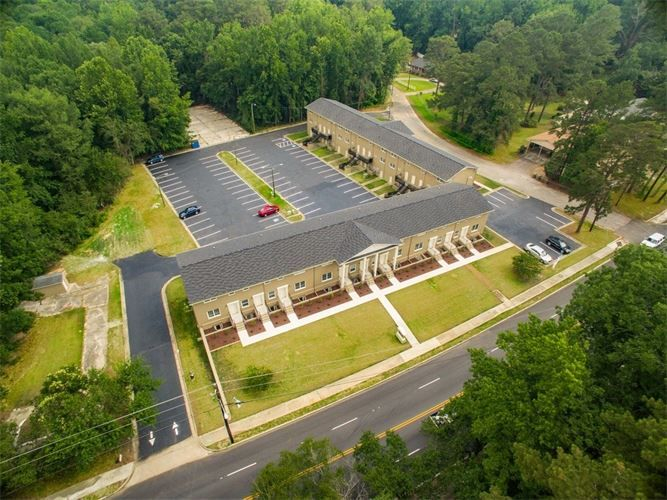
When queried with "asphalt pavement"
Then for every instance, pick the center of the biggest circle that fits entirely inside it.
(229, 474)
(143, 276)
(522, 220)
(229, 206)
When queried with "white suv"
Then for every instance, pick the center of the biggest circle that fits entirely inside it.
(538, 252)
(653, 241)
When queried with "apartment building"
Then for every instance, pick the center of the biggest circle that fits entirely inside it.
(386, 148)
(250, 277)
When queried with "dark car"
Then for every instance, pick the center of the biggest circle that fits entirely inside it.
(267, 210)
(159, 158)
(558, 244)
(189, 212)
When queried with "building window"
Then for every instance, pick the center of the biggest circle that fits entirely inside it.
(213, 313)
(271, 295)
(326, 276)
(475, 227)
(399, 252)
(381, 160)
(392, 165)
(419, 246)
(353, 268)
(245, 303)
(300, 285)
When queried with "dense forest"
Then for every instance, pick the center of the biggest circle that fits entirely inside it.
(88, 86)
(574, 409)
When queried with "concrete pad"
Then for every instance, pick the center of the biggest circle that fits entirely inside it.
(212, 127)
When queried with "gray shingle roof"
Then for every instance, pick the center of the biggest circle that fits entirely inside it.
(398, 126)
(245, 261)
(436, 161)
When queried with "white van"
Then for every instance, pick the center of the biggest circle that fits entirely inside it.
(653, 241)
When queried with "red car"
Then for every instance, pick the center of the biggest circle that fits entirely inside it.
(267, 210)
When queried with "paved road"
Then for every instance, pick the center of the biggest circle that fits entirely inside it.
(230, 474)
(525, 220)
(229, 207)
(144, 275)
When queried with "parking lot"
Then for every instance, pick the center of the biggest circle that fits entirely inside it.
(524, 221)
(229, 207)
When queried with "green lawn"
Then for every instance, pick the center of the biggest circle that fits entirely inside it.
(385, 189)
(52, 343)
(375, 183)
(417, 84)
(438, 123)
(261, 188)
(497, 269)
(296, 136)
(633, 206)
(490, 183)
(438, 304)
(321, 152)
(332, 157)
(115, 307)
(138, 220)
(193, 359)
(309, 357)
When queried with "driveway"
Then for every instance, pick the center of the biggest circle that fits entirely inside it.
(229, 207)
(524, 221)
(143, 276)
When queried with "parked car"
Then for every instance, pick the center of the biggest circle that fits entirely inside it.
(433, 80)
(558, 243)
(189, 212)
(653, 241)
(538, 252)
(267, 210)
(159, 158)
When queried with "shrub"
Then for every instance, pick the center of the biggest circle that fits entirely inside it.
(257, 379)
(526, 266)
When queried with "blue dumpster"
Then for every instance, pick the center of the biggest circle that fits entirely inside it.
(195, 144)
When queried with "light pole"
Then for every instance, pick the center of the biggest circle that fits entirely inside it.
(409, 75)
(273, 184)
(252, 115)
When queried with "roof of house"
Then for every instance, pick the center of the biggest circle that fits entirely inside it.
(398, 126)
(436, 161)
(546, 139)
(48, 280)
(418, 62)
(245, 261)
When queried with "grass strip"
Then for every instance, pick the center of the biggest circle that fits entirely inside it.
(200, 386)
(287, 210)
(296, 136)
(413, 362)
(385, 189)
(489, 183)
(375, 183)
(321, 152)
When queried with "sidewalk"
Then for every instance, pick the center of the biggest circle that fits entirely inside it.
(95, 484)
(413, 352)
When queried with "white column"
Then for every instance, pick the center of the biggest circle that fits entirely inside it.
(377, 258)
(363, 269)
(395, 257)
(342, 271)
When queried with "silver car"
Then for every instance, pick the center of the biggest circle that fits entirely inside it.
(539, 252)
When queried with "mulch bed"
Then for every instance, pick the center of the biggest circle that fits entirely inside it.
(317, 305)
(482, 245)
(222, 338)
(465, 253)
(382, 282)
(362, 290)
(254, 327)
(449, 258)
(416, 270)
(279, 318)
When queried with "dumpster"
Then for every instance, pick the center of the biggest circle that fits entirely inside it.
(195, 144)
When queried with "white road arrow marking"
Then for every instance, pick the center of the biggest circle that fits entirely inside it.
(175, 428)
(151, 438)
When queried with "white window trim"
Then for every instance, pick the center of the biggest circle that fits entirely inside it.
(419, 246)
(297, 287)
(214, 315)
(247, 303)
(329, 274)
(474, 227)
(353, 268)
(271, 294)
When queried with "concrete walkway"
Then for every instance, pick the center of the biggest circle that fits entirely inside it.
(94, 298)
(413, 352)
(93, 485)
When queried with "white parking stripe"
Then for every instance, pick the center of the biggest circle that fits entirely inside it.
(172, 183)
(548, 223)
(344, 184)
(283, 191)
(175, 189)
(504, 195)
(331, 175)
(560, 221)
(493, 204)
(276, 224)
(157, 165)
(203, 229)
(229, 182)
(312, 211)
(222, 175)
(239, 149)
(212, 160)
(366, 201)
(240, 190)
(251, 201)
(199, 221)
(163, 168)
(306, 205)
(184, 205)
(217, 241)
(283, 184)
(297, 201)
(295, 194)
(258, 206)
(350, 190)
(218, 169)
(499, 201)
(208, 235)
(207, 157)
(245, 196)
(358, 195)
(181, 199)
(320, 167)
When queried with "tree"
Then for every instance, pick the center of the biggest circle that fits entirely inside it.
(440, 50)
(623, 317)
(385, 469)
(526, 266)
(304, 473)
(257, 379)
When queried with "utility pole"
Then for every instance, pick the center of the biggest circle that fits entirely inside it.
(273, 183)
(252, 115)
(225, 415)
